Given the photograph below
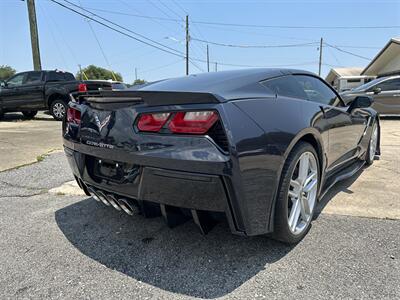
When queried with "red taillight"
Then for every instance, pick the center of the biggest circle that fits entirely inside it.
(82, 87)
(193, 122)
(73, 116)
(152, 122)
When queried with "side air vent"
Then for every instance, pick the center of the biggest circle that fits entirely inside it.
(217, 133)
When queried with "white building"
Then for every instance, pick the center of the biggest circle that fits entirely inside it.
(386, 62)
(344, 79)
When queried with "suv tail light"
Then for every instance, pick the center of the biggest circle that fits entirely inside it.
(73, 116)
(193, 122)
(152, 122)
(82, 87)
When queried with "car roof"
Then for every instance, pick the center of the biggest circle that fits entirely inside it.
(234, 84)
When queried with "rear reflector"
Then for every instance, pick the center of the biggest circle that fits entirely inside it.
(82, 87)
(152, 122)
(193, 122)
(73, 116)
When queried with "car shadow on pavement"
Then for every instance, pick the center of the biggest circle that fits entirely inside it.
(17, 117)
(178, 260)
(340, 187)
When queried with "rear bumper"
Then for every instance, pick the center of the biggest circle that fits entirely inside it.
(198, 187)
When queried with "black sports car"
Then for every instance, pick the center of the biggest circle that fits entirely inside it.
(257, 147)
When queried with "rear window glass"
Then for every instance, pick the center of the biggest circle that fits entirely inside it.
(285, 86)
(118, 86)
(59, 76)
(69, 77)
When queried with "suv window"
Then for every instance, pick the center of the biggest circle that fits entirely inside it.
(389, 85)
(59, 76)
(33, 77)
(317, 91)
(285, 86)
(69, 77)
(16, 80)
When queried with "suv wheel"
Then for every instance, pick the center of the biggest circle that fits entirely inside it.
(29, 114)
(58, 109)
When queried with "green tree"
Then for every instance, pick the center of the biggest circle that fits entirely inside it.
(94, 72)
(139, 82)
(6, 72)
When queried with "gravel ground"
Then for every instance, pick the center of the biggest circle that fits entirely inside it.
(55, 246)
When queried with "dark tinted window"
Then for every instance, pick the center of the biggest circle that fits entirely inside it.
(316, 90)
(33, 77)
(16, 80)
(285, 86)
(59, 76)
(118, 86)
(389, 85)
(69, 77)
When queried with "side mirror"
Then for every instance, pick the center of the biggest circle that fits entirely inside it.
(377, 90)
(3, 84)
(361, 102)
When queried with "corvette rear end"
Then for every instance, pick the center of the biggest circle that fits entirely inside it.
(171, 160)
(255, 147)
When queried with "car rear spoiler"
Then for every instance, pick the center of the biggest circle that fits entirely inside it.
(150, 98)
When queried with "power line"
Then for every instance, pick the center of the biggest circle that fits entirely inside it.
(295, 27)
(347, 52)
(119, 26)
(176, 53)
(161, 67)
(134, 15)
(253, 46)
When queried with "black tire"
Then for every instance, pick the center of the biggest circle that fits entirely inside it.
(1, 115)
(282, 231)
(58, 109)
(29, 114)
(369, 157)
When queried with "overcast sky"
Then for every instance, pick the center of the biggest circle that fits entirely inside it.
(67, 40)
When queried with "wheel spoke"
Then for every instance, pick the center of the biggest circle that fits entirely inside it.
(310, 185)
(294, 215)
(303, 167)
(293, 195)
(305, 208)
(295, 184)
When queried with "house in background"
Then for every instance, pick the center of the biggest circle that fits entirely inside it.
(386, 62)
(344, 79)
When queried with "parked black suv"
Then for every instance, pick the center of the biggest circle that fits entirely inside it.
(28, 92)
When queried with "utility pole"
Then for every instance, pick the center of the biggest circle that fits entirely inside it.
(187, 45)
(37, 65)
(216, 66)
(135, 73)
(208, 60)
(320, 57)
(80, 72)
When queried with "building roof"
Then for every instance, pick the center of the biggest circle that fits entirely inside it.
(342, 72)
(381, 63)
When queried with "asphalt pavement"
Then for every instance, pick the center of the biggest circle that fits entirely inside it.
(72, 247)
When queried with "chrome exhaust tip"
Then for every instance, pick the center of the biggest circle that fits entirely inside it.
(126, 206)
(113, 202)
(103, 198)
(93, 193)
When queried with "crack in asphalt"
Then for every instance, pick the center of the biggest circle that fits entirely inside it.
(20, 186)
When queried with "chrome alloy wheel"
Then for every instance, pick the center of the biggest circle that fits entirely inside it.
(373, 142)
(59, 110)
(302, 193)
